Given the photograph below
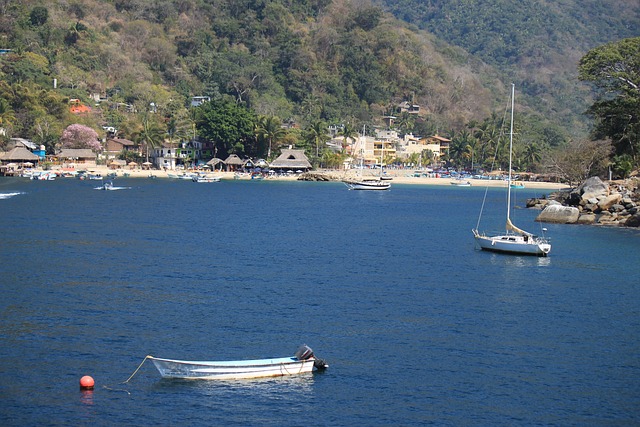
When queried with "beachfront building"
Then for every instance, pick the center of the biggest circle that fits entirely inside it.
(38, 150)
(291, 160)
(165, 156)
(370, 151)
(410, 144)
(233, 162)
(384, 145)
(72, 157)
(113, 147)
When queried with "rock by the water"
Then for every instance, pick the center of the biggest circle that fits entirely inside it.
(633, 221)
(607, 202)
(612, 203)
(593, 188)
(311, 176)
(587, 219)
(559, 214)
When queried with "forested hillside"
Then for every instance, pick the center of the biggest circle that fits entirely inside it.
(535, 43)
(307, 62)
(301, 60)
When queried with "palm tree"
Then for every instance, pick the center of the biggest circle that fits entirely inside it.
(151, 135)
(531, 155)
(405, 121)
(348, 131)
(317, 135)
(414, 159)
(428, 156)
(178, 128)
(270, 128)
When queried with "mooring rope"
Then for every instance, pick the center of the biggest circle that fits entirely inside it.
(131, 377)
(148, 356)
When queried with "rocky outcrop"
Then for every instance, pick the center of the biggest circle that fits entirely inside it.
(312, 176)
(559, 214)
(612, 203)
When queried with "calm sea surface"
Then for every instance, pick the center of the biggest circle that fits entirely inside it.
(418, 326)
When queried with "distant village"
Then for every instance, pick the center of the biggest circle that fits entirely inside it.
(363, 151)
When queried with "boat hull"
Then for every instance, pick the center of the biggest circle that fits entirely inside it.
(367, 185)
(513, 244)
(232, 370)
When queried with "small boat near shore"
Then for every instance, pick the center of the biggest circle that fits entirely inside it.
(205, 178)
(304, 361)
(461, 183)
(368, 184)
(108, 186)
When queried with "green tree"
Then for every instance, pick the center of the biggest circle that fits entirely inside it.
(7, 115)
(228, 125)
(151, 135)
(614, 70)
(39, 16)
(316, 136)
(531, 155)
(270, 128)
(348, 131)
(622, 165)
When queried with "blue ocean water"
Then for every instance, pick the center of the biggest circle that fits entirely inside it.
(418, 326)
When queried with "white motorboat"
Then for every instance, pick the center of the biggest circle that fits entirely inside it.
(110, 187)
(205, 178)
(368, 184)
(304, 361)
(514, 241)
(461, 183)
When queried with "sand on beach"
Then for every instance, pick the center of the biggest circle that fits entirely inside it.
(398, 177)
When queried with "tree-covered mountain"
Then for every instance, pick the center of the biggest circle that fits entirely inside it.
(137, 63)
(535, 43)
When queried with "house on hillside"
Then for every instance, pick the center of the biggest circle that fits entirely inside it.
(197, 101)
(78, 107)
(291, 160)
(407, 107)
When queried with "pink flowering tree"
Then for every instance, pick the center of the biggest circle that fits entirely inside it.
(80, 136)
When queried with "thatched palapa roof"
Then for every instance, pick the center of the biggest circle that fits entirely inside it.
(291, 159)
(19, 154)
(234, 160)
(76, 153)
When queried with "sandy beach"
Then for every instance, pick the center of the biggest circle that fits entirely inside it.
(398, 177)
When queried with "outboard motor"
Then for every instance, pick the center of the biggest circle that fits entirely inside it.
(304, 352)
(320, 364)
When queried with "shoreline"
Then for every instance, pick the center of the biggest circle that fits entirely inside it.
(399, 177)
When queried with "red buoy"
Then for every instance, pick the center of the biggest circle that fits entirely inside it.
(86, 383)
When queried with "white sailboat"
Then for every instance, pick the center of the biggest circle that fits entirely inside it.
(379, 183)
(515, 240)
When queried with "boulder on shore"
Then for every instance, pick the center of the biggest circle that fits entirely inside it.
(593, 188)
(559, 214)
(611, 203)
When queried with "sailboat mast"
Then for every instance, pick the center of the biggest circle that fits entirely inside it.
(513, 90)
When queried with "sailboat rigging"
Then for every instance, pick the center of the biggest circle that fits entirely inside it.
(515, 240)
(367, 183)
